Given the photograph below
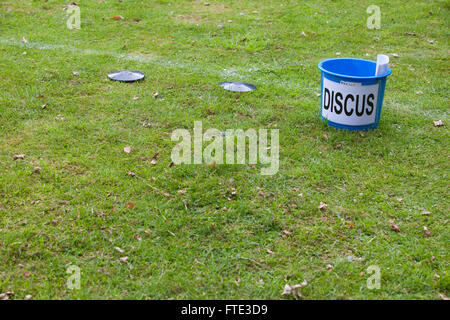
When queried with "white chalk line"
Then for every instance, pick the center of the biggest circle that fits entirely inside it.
(428, 114)
(228, 74)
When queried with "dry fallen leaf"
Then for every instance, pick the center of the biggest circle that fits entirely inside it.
(118, 249)
(6, 295)
(427, 233)
(131, 173)
(117, 17)
(67, 5)
(147, 123)
(323, 206)
(270, 251)
(294, 290)
(153, 162)
(443, 296)
(127, 149)
(18, 156)
(182, 191)
(130, 205)
(394, 227)
(155, 156)
(438, 123)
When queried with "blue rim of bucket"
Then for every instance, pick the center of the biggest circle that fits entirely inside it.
(320, 66)
(365, 80)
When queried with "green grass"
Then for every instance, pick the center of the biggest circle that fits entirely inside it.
(186, 246)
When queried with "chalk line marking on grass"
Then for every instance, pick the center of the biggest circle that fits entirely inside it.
(220, 72)
(411, 109)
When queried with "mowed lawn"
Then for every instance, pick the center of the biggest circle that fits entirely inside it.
(223, 231)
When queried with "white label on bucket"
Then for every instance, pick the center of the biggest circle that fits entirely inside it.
(349, 104)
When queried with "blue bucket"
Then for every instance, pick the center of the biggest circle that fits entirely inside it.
(352, 95)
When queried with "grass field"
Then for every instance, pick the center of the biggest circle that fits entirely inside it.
(224, 231)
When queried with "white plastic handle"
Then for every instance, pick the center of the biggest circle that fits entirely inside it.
(382, 64)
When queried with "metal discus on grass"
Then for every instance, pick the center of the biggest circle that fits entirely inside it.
(126, 76)
(237, 86)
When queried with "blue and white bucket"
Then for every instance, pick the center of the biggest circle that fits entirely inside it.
(352, 95)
